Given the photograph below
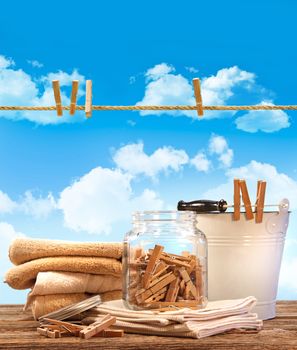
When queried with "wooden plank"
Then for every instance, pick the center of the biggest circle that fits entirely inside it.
(278, 334)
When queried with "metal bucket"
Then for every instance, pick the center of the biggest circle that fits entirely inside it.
(244, 258)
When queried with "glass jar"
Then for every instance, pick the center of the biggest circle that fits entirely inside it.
(164, 261)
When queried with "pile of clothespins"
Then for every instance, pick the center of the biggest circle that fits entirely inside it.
(241, 187)
(57, 329)
(53, 325)
(160, 279)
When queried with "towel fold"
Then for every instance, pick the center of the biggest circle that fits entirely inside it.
(24, 276)
(193, 329)
(44, 304)
(26, 249)
(54, 282)
(216, 318)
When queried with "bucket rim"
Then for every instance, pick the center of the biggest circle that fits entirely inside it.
(242, 212)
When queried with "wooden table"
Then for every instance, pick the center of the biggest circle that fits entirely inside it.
(18, 331)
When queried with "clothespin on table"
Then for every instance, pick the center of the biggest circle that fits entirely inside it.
(261, 189)
(198, 97)
(236, 214)
(73, 97)
(246, 200)
(97, 327)
(57, 95)
(88, 105)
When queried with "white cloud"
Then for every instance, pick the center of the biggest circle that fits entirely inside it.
(218, 145)
(19, 88)
(201, 162)
(28, 204)
(279, 185)
(226, 158)
(65, 79)
(132, 79)
(133, 159)
(7, 235)
(6, 204)
(217, 89)
(102, 198)
(192, 69)
(35, 63)
(166, 88)
(266, 121)
(158, 71)
(131, 122)
(5, 62)
(38, 207)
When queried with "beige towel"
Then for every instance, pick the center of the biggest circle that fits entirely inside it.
(54, 282)
(190, 329)
(24, 276)
(217, 317)
(43, 304)
(27, 249)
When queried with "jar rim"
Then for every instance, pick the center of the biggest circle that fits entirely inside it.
(163, 215)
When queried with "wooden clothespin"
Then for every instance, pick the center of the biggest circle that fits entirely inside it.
(74, 91)
(88, 105)
(151, 264)
(110, 333)
(173, 289)
(97, 327)
(261, 189)
(198, 97)
(185, 276)
(236, 214)
(57, 95)
(246, 200)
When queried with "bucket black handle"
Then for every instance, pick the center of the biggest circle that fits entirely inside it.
(203, 206)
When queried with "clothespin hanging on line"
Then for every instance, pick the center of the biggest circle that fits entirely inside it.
(88, 104)
(198, 97)
(73, 97)
(57, 95)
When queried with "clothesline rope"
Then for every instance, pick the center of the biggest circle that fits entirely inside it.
(152, 108)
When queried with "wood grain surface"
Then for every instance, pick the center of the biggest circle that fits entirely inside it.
(18, 331)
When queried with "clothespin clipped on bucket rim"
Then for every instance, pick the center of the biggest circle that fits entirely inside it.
(259, 206)
(246, 200)
(198, 97)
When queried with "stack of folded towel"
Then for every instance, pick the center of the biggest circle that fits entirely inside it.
(61, 273)
(217, 317)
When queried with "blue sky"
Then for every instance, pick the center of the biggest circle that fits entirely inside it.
(142, 52)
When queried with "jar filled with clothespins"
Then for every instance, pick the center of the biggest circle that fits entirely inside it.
(165, 262)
